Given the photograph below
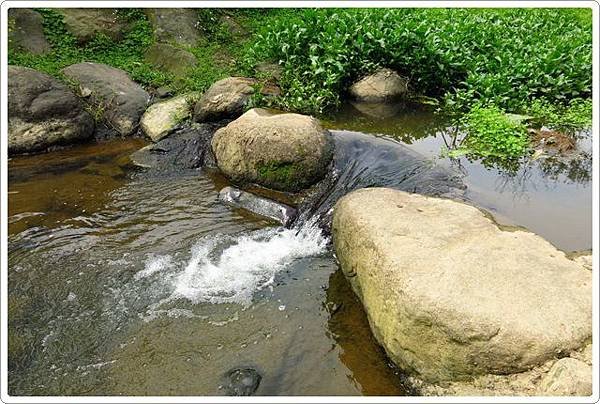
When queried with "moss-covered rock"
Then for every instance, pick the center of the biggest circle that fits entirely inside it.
(171, 59)
(286, 152)
(161, 118)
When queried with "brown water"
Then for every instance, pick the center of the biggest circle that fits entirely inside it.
(123, 283)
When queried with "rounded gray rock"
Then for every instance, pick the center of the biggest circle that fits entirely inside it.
(43, 112)
(286, 152)
(116, 98)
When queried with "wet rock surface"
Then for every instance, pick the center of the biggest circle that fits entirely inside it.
(113, 95)
(187, 148)
(362, 161)
(43, 112)
(280, 212)
(242, 382)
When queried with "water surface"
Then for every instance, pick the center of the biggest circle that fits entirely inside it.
(126, 283)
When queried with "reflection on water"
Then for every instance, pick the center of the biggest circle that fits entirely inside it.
(550, 196)
(123, 282)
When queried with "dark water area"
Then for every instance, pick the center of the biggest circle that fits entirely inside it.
(126, 283)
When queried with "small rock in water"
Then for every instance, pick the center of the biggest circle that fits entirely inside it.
(242, 381)
(261, 206)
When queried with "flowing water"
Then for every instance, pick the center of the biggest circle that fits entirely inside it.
(122, 282)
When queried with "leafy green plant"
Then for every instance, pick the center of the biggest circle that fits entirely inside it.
(491, 133)
(570, 118)
(507, 57)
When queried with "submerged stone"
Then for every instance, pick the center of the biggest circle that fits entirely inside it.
(242, 381)
(280, 212)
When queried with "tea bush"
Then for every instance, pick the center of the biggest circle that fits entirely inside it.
(504, 57)
(570, 118)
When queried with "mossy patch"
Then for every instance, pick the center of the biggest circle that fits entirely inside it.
(279, 174)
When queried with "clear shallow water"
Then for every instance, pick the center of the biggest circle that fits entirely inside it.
(122, 283)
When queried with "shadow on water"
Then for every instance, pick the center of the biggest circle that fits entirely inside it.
(349, 327)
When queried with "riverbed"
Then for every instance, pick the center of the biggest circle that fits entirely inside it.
(125, 283)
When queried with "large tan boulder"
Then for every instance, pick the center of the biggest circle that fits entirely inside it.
(382, 86)
(113, 96)
(449, 294)
(227, 98)
(286, 152)
(163, 117)
(43, 112)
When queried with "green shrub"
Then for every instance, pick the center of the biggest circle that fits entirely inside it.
(491, 133)
(570, 118)
(507, 57)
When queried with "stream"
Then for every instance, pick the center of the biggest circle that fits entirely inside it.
(126, 283)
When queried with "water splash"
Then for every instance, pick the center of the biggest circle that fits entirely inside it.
(226, 269)
(230, 268)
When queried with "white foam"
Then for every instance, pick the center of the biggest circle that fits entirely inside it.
(246, 263)
(153, 265)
